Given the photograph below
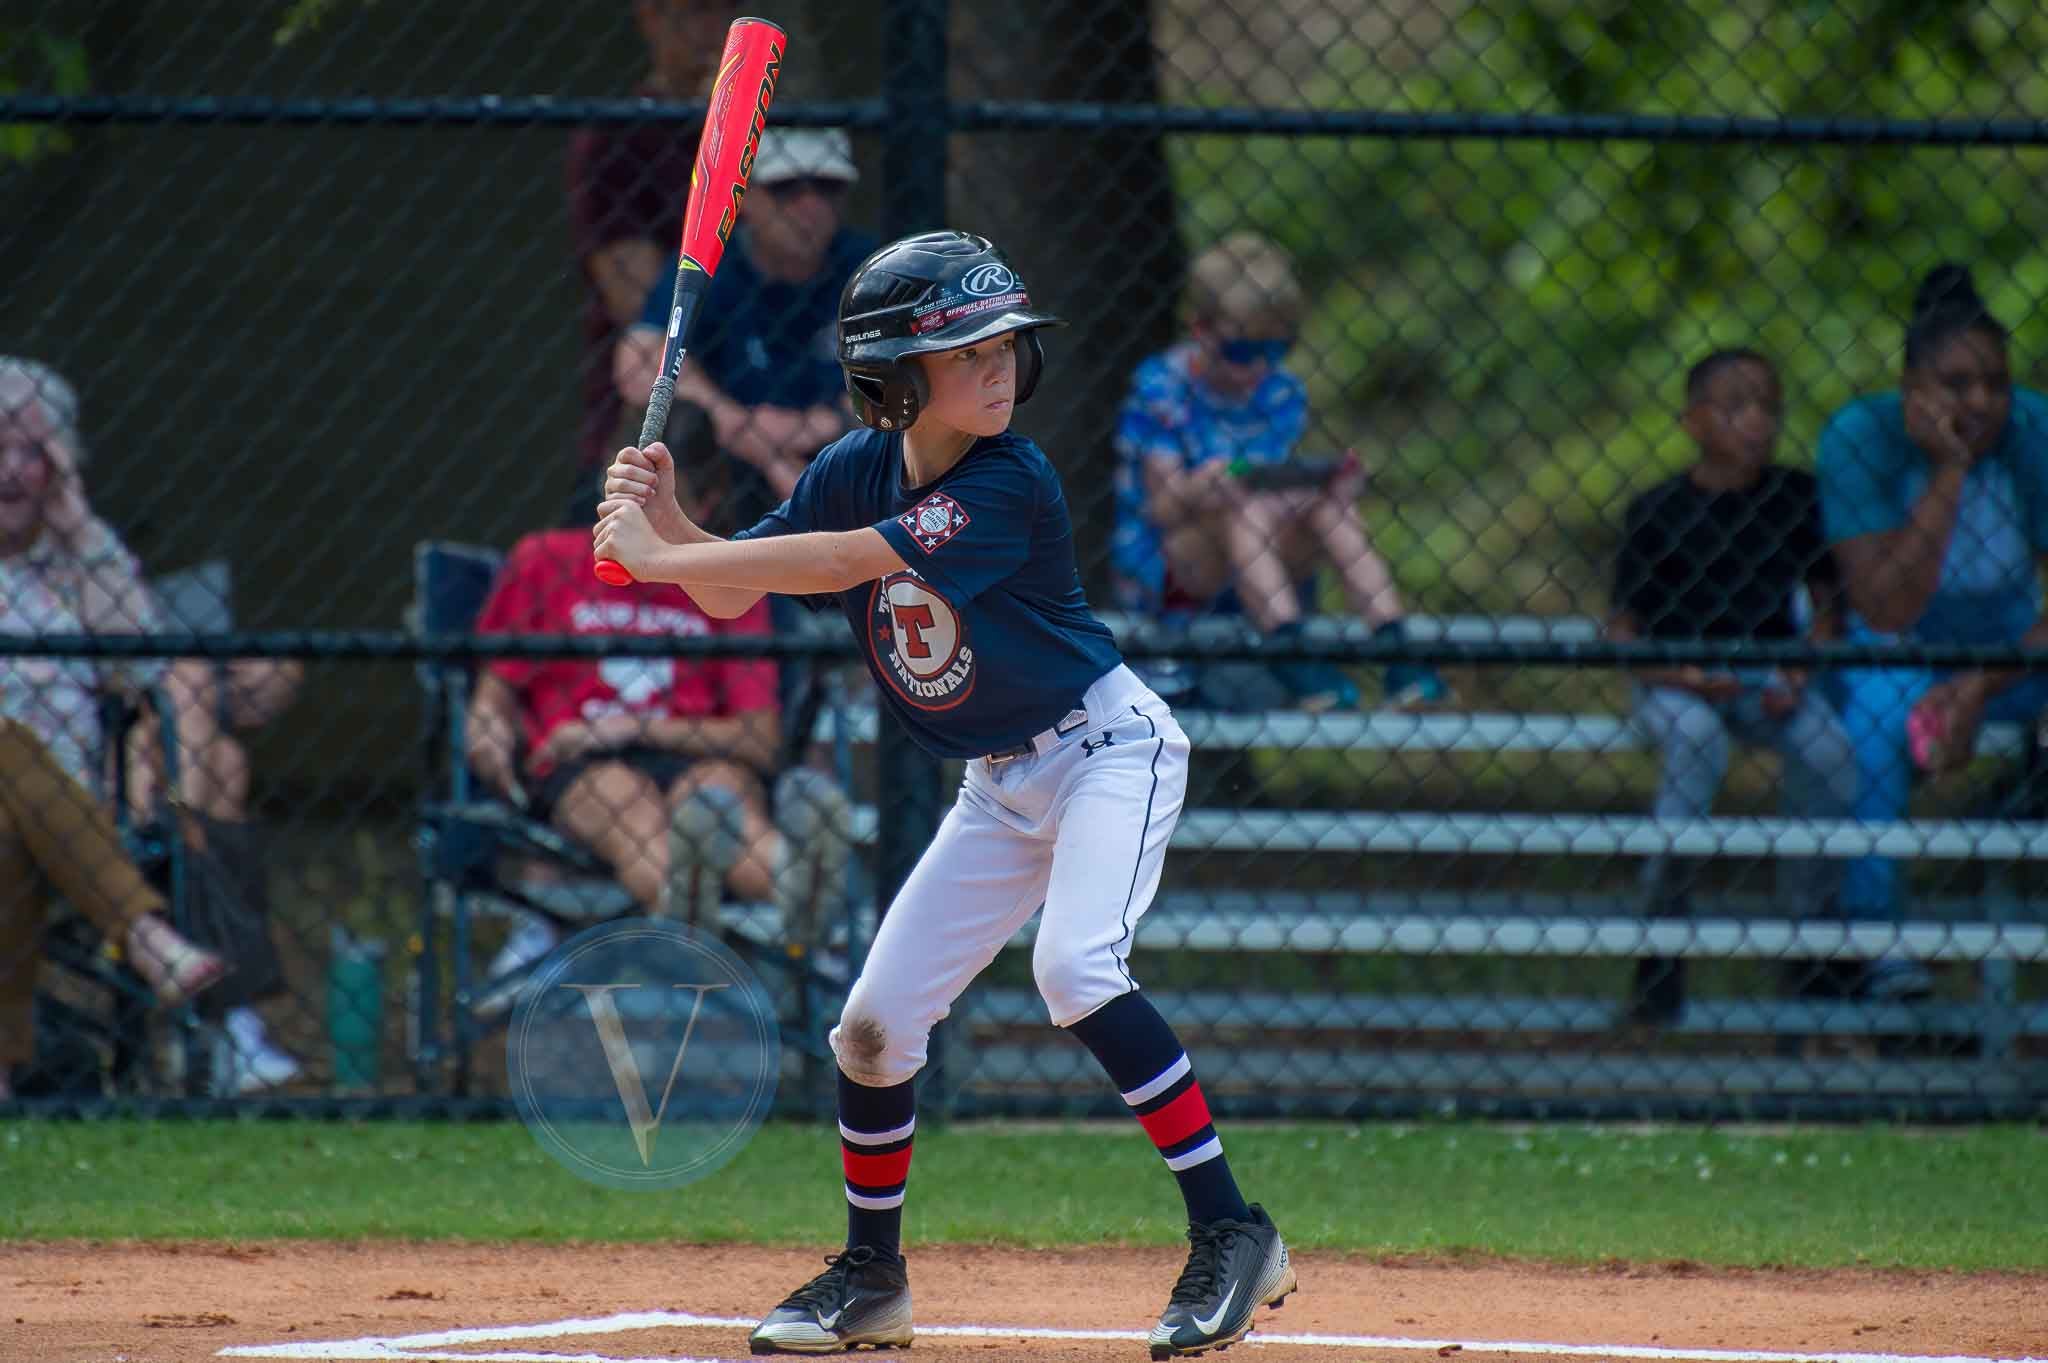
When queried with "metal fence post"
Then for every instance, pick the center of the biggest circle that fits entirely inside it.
(909, 780)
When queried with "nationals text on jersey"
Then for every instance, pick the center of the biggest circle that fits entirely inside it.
(921, 642)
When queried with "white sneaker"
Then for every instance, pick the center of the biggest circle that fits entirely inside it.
(239, 1071)
(533, 938)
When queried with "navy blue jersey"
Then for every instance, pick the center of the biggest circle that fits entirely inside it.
(987, 639)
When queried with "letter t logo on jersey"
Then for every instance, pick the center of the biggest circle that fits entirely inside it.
(933, 521)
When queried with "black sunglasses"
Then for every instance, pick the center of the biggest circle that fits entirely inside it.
(1241, 351)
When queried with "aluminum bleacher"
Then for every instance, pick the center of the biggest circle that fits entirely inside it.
(1339, 1040)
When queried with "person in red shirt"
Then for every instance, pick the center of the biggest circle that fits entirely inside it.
(626, 188)
(656, 764)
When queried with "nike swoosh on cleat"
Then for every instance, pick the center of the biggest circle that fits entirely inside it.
(1208, 1327)
(828, 1322)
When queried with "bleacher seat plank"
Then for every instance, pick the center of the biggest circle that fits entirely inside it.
(1484, 935)
(1390, 731)
(1387, 832)
(1348, 1013)
(1340, 1075)
(1504, 834)
(1599, 902)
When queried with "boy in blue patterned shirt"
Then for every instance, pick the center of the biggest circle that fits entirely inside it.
(1194, 534)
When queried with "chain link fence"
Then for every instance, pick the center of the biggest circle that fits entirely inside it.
(1574, 469)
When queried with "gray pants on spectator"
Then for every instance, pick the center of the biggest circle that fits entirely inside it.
(1692, 736)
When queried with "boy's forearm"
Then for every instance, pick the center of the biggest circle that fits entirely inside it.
(720, 603)
(794, 565)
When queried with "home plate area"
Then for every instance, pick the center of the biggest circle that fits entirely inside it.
(680, 1337)
(1095, 1306)
(93, 1302)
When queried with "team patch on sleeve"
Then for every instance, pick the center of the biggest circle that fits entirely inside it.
(933, 521)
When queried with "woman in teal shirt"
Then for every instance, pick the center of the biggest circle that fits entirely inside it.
(1935, 499)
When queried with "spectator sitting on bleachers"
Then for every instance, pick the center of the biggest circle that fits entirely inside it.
(1720, 552)
(1936, 501)
(655, 764)
(62, 571)
(1195, 525)
(764, 367)
(90, 576)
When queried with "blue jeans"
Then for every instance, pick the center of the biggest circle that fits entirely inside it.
(1693, 735)
(1875, 704)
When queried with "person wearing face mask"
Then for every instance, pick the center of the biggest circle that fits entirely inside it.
(63, 571)
(1935, 498)
(764, 369)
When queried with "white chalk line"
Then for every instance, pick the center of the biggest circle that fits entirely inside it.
(430, 1347)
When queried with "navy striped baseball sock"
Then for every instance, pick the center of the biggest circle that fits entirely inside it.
(875, 1127)
(1146, 1063)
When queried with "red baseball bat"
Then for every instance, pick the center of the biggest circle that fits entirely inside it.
(747, 72)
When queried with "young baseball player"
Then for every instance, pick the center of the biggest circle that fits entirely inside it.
(946, 540)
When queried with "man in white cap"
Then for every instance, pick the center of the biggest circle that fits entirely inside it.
(764, 368)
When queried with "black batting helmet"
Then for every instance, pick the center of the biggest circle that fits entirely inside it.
(934, 291)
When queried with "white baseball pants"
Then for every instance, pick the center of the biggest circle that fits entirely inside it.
(1079, 827)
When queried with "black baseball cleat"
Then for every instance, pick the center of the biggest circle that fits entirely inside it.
(862, 1297)
(1232, 1267)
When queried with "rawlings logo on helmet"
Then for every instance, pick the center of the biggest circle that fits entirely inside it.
(983, 280)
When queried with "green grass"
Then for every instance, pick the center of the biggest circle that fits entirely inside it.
(1967, 1198)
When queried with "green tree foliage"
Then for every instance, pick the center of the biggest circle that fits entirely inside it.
(1505, 324)
(301, 17)
(36, 60)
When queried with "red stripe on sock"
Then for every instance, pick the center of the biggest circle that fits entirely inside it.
(876, 1171)
(1179, 1119)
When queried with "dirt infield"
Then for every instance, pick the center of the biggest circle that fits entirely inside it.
(172, 1303)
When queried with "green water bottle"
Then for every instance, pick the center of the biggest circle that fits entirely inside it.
(355, 1010)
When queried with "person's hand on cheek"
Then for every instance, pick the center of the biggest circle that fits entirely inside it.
(1931, 423)
(66, 512)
